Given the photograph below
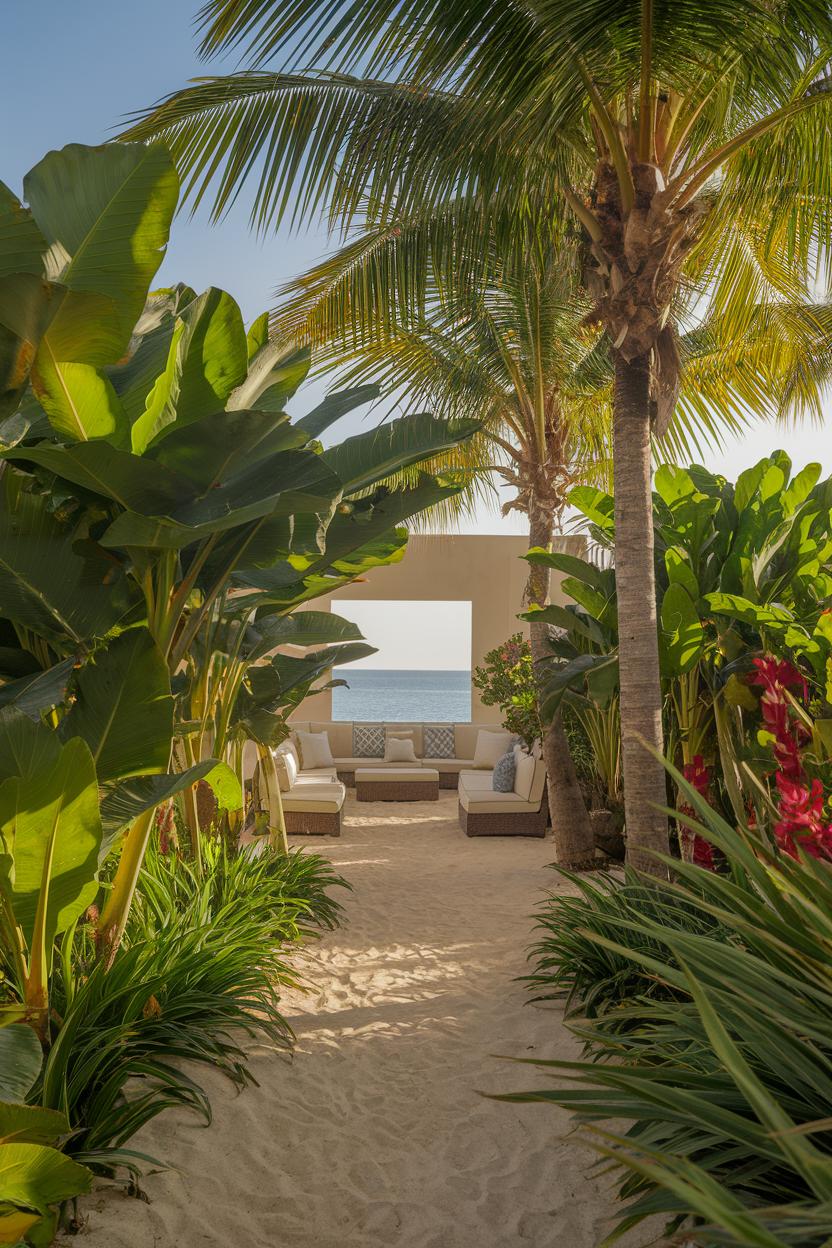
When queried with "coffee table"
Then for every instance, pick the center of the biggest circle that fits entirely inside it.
(397, 784)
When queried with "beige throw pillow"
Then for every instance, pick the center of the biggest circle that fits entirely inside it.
(490, 747)
(314, 750)
(400, 750)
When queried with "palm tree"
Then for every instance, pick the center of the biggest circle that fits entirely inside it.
(692, 144)
(509, 349)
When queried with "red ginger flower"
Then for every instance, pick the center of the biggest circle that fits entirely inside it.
(694, 847)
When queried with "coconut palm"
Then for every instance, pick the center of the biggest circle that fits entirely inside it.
(511, 350)
(692, 144)
(510, 347)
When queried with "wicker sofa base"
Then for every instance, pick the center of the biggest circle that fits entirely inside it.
(397, 791)
(523, 823)
(313, 822)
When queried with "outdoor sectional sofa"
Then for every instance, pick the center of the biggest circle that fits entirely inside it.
(523, 812)
(482, 811)
(341, 737)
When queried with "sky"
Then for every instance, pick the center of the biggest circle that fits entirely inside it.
(416, 634)
(102, 60)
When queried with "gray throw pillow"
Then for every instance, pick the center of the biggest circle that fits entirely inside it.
(368, 740)
(439, 741)
(504, 769)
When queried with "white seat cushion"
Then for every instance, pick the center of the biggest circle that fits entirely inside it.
(316, 775)
(448, 764)
(318, 798)
(391, 775)
(488, 802)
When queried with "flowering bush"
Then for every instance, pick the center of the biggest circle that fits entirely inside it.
(802, 820)
(506, 679)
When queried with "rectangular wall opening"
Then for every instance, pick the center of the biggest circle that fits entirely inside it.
(422, 670)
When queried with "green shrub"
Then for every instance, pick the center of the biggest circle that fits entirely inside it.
(723, 1072)
(570, 961)
(188, 992)
(199, 970)
(287, 893)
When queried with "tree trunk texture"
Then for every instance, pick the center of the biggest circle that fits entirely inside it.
(571, 825)
(641, 696)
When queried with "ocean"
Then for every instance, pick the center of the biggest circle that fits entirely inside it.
(434, 697)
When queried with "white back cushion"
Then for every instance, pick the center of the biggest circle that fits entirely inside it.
(314, 750)
(490, 746)
(524, 775)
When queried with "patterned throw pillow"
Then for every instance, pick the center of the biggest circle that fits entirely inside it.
(439, 741)
(504, 770)
(368, 740)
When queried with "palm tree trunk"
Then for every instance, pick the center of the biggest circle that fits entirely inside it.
(571, 825)
(635, 581)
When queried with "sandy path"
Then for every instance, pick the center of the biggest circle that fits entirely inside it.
(374, 1135)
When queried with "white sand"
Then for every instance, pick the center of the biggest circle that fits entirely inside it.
(374, 1135)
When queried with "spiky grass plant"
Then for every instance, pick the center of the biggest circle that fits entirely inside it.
(199, 973)
(591, 976)
(723, 1071)
(289, 893)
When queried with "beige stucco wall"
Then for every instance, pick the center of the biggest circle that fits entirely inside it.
(487, 571)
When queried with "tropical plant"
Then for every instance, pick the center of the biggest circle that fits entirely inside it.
(741, 570)
(34, 1175)
(185, 991)
(144, 482)
(722, 1070)
(687, 148)
(505, 678)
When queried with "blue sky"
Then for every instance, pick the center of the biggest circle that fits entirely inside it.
(77, 68)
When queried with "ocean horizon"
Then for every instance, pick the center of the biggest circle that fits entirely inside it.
(400, 695)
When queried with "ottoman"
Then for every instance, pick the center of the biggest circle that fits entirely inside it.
(397, 784)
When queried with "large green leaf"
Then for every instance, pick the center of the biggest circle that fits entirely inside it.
(369, 457)
(27, 746)
(27, 305)
(124, 709)
(274, 373)
(272, 684)
(278, 484)
(51, 829)
(53, 584)
(206, 360)
(334, 406)
(30, 1124)
(301, 628)
(571, 621)
(217, 447)
(133, 377)
(21, 1058)
(79, 400)
(572, 565)
(135, 482)
(365, 520)
(105, 213)
(34, 1177)
(683, 637)
(125, 801)
(39, 691)
(22, 246)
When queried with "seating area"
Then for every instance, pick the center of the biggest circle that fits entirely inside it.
(501, 786)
